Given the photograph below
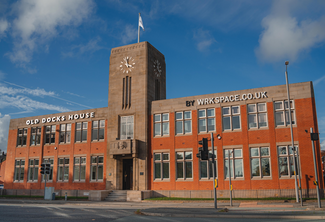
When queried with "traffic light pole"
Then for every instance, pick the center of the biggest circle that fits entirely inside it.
(214, 173)
(45, 177)
(230, 188)
(315, 167)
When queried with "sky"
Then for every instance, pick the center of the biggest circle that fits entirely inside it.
(54, 54)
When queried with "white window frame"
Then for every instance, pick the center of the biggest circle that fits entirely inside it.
(96, 164)
(257, 112)
(231, 115)
(159, 122)
(184, 162)
(22, 137)
(83, 128)
(209, 166)
(182, 120)
(21, 168)
(33, 170)
(80, 164)
(289, 159)
(64, 165)
(206, 118)
(161, 161)
(232, 162)
(128, 126)
(35, 137)
(66, 132)
(100, 126)
(259, 157)
(285, 109)
(50, 134)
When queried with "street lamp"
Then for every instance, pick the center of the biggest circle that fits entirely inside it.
(292, 141)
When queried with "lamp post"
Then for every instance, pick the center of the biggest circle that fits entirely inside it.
(293, 147)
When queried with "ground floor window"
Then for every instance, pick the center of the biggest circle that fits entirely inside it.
(49, 176)
(63, 169)
(184, 165)
(97, 168)
(206, 167)
(79, 169)
(286, 164)
(236, 163)
(19, 170)
(161, 166)
(33, 170)
(260, 162)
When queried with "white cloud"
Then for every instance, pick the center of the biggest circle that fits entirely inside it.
(286, 37)
(129, 34)
(38, 21)
(322, 145)
(204, 39)
(2, 75)
(4, 25)
(318, 80)
(91, 47)
(34, 92)
(4, 129)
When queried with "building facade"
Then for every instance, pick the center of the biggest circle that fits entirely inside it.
(143, 141)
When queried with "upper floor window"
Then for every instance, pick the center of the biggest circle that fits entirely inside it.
(281, 109)
(231, 117)
(260, 162)
(81, 131)
(206, 120)
(35, 136)
(236, 163)
(33, 170)
(98, 130)
(161, 124)
(161, 166)
(127, 123)
(50, 134)
(206, 166)
(65, 133)
(257, 116)
(19, 170)
(184, 165)
(22, 137)
(183, 122)
(286, 164)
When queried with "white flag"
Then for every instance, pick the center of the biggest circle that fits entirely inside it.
(140, 22)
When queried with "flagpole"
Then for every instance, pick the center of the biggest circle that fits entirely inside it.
(139, 29)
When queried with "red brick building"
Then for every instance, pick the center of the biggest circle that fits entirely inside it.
(143, 141)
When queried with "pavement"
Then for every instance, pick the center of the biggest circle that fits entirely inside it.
(198, 209)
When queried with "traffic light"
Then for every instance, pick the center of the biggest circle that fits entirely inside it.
(43, 168)
(203, 151)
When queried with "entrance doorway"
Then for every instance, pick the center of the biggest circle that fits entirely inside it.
(127, 174)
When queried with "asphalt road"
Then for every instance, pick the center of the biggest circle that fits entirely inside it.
(55, 212)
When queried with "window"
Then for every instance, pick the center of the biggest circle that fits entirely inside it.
(260, 162)
(81, 131)
(22, 137)
(161, 166)
(282, 113)
(98, 130)
(236, 163)
(231, 118)
(35, 136)
(257, 116)
(50, 134)
(206, 120)
(19, 170)
(79, 169)
(65, 133)
(184, 165)
(206, 167)
(161, 124)
(286, 165)
(63, 169)
(49, 176)
(183, 122)
(126, 127)
(97, 168)
(33, 170)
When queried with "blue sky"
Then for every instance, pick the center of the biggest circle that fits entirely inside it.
(54, 54)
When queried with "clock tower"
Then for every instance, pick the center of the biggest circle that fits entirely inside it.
(137, 76)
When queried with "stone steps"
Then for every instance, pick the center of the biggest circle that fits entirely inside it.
(117, 196)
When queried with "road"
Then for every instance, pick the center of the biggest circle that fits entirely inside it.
(83, 213)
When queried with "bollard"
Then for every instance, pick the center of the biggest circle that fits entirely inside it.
(66, 196)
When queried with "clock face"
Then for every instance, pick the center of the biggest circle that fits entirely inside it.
(157, 68)
(127, 64)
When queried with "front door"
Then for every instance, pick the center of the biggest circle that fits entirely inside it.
(127, 174)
